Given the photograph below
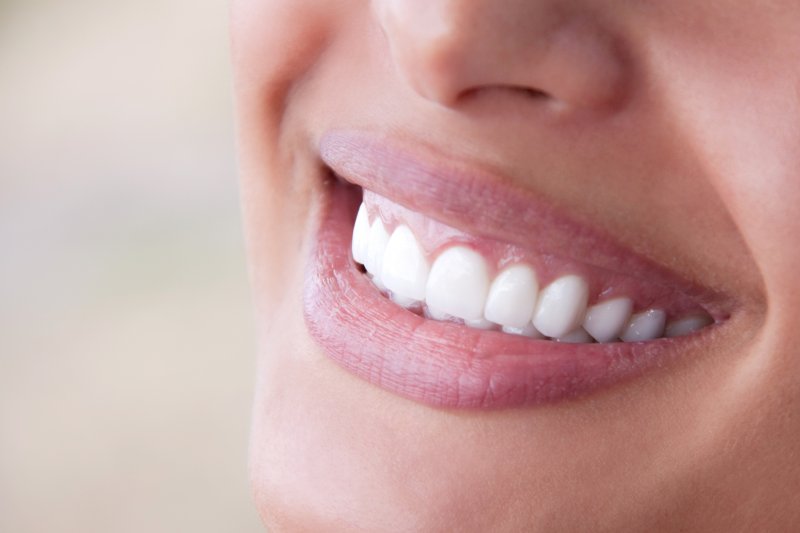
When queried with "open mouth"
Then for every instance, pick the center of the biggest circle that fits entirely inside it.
(451, 287)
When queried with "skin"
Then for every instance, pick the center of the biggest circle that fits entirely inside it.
(672, 125)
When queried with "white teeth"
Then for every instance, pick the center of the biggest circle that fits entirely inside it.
(361, 236)
(645, 326)
(512, 297)
(403, 301)
(457, 288)
(687, 325)
(458, 283)
(605, 320)
(480, 323)
(405, 269)
(561, 306)
(437, 314)
(376, 246)
(528, 331)
(579, 336)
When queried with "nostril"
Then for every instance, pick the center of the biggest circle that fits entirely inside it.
(533, 93)
(510, 90)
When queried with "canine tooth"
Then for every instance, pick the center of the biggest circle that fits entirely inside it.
(687, 325)
(376, 247)
(405, 269)
(561, 306)
(528, 331)
(458, 283)
(361, 236)
(645, 326)
(512, 297)
(579, 336)
(604, 321)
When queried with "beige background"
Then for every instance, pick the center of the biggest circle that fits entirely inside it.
(126, 353)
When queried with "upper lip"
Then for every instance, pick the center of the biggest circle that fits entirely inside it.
(488, 204)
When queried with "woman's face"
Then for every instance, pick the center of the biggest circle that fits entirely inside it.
(636, 151)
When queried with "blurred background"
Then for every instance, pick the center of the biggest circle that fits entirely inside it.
(126, 343)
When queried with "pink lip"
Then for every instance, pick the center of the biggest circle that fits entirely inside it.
(443, 364)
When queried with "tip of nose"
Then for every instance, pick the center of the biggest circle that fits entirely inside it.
(573, 64)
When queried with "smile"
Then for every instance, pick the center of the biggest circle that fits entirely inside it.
(448, 286)
(492, 285)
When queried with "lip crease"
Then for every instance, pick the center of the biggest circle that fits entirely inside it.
(447, 365)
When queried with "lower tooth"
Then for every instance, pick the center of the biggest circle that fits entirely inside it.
(527, 331)
(480, 323)
(436, 314)
(376, 280)
(687, 325)
(645, 326)
(403, 301)
(579, 336)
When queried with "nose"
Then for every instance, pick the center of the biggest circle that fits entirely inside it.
(450, 49)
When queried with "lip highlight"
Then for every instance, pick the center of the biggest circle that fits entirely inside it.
(444, 364)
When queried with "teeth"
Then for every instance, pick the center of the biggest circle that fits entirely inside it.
(561, 306)
(437, 314)
(645, 326)
(376, 246)
(605, 320)
(687, 325)
(457, 288)
(458, 283)
(405, 269)
(579, 336)
(512, 297)
(361, 236)
(403, 301)
(480, 323)
(528, 331)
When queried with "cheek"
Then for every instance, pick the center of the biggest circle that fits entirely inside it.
(275, 41)
(275, 46)
(748, 134)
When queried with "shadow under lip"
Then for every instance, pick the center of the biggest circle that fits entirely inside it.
(442, 364)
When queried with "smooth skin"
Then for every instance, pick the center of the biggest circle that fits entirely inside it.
(674, 126)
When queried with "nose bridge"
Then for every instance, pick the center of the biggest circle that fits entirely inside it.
(447, 48)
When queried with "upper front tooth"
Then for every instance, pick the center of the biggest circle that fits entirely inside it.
(512, 297)
(458, 283)
(645, 326)
(561, 306)
(405, 269)
(605, 320)
(361, 236)
(376, 247)
(687, 325)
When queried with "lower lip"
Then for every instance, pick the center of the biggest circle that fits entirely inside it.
(443, 364)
